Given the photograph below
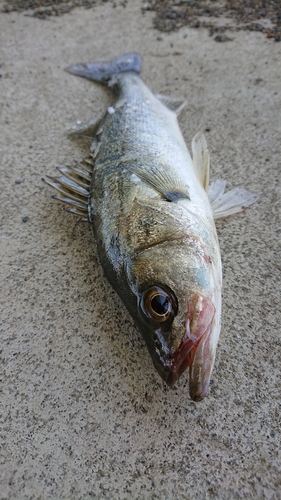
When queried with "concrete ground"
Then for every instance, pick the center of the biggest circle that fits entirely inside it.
(83, 412)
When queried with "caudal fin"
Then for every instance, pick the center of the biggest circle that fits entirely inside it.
(103, 71)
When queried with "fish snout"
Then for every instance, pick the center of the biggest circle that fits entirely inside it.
(195, 349)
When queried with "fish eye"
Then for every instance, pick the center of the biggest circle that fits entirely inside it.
(159, 304)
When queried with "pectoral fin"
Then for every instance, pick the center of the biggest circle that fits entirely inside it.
(161, 179)
(201, 159)
(231, 202)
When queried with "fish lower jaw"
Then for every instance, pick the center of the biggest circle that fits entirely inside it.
(200, 367)
(172, 368)
(196, 352)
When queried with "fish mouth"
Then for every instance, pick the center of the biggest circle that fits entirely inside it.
(195, 350)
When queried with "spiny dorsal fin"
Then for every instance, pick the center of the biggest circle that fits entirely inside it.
(231, 202)
(73, 186)
(175, 104)
(201, 159)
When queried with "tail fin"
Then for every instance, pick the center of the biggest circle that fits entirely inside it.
(103, 71)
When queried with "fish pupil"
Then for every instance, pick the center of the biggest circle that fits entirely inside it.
(160, 304)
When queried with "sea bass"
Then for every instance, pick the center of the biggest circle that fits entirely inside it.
(152, 213)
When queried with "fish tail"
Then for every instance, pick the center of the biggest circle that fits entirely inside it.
(103, 71)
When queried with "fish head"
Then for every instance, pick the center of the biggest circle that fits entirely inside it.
(178, 315)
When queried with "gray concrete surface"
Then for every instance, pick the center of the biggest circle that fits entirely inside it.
(83, 413)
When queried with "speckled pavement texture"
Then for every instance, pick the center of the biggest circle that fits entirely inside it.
(83, 413)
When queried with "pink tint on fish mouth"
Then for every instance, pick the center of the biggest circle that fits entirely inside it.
(198, 328)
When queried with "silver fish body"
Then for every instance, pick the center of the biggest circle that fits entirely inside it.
(154, 224)
(154, 228)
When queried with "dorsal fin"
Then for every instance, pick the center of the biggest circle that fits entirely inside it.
(175, 104)
(87, 129)
(74, 187)
(201, 159)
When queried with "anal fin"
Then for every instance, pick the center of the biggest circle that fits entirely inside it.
(176, 104)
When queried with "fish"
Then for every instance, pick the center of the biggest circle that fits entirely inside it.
(153, 217)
